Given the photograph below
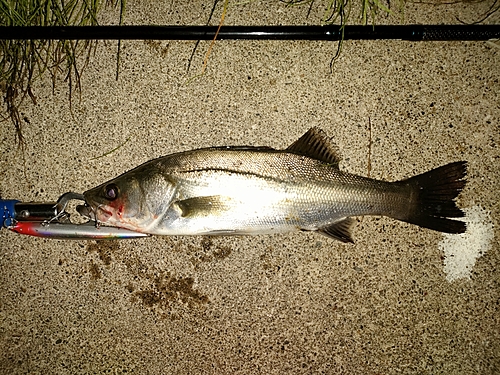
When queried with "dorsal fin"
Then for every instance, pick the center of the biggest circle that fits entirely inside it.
(316, 144)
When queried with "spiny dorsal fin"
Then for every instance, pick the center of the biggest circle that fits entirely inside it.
(316, 144)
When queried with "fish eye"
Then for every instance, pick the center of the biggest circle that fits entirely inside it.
(111, 192)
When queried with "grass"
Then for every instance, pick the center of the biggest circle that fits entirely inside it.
(22, 62)
(339, 12)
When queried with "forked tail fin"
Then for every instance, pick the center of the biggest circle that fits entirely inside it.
(432, 203)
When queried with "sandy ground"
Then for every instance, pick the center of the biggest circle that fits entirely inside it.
(280, 304)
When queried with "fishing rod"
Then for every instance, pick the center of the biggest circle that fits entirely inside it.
(327, 33)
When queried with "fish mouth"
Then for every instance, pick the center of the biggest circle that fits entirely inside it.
(86, 211)
(97, 214)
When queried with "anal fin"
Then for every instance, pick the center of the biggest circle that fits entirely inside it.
(341, 230)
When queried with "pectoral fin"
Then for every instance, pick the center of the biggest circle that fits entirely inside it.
(341, 230)
(203, 206)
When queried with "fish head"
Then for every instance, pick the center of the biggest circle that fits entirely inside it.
(134, 200)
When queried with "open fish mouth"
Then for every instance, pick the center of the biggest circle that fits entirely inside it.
(86, 211)
(97, 214)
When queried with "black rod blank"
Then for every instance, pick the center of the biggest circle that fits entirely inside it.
(330, 32)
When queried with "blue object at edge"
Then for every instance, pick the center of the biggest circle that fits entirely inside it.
(7, 211)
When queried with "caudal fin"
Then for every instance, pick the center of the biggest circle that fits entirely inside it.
(433, 198)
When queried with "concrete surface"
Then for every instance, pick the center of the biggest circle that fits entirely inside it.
(285, 304)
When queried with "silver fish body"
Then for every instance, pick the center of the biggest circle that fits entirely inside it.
(255, 190)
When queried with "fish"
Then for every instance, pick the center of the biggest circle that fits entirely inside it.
(247, 190)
